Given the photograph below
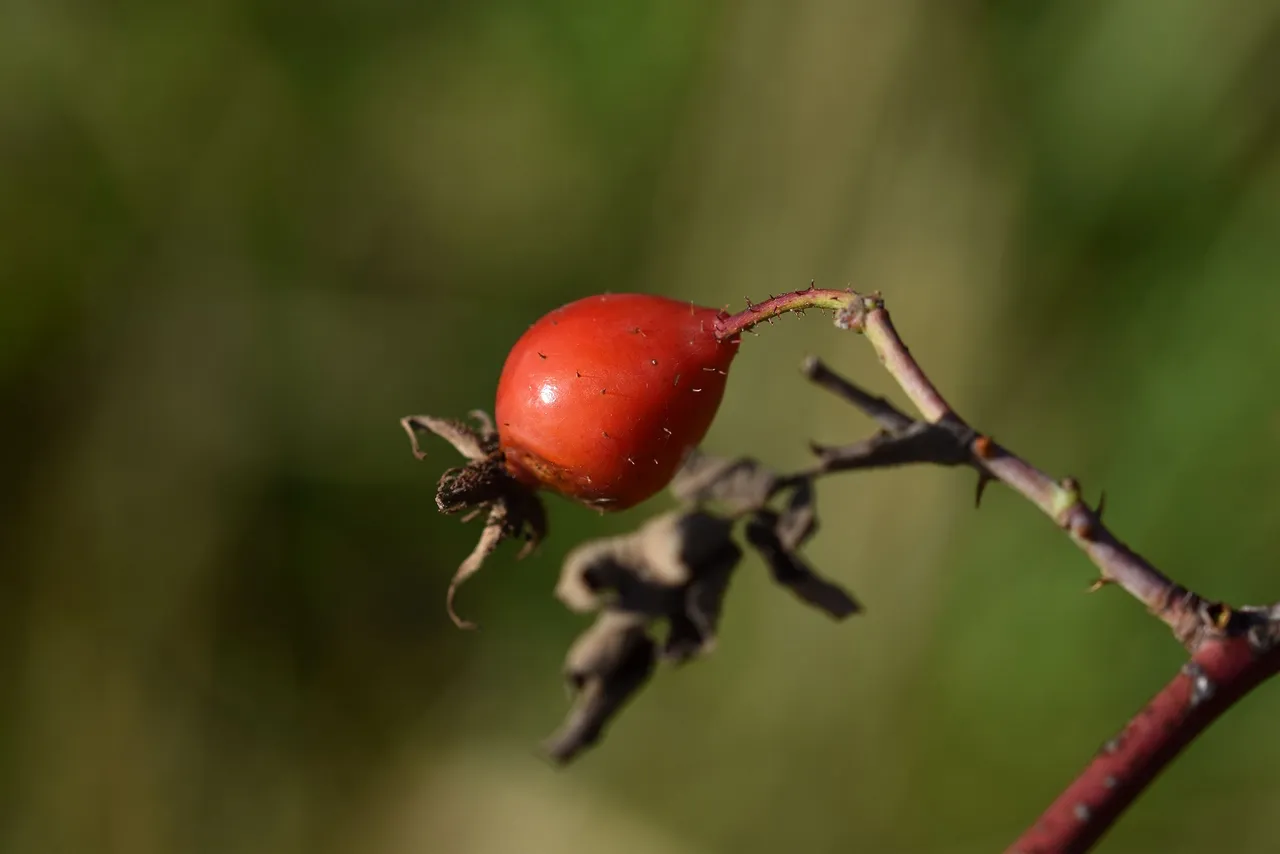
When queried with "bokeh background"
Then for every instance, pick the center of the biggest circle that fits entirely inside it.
(240, 238)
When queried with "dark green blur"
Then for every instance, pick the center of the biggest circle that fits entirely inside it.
(240, 238)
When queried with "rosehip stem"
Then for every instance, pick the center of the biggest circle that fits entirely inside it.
(730, 325)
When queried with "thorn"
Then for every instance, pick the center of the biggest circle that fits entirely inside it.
(666, 430)
(1102, 503)
(578, 374)
(1098, 584)
(812, 285)
(633, 462)
(677, 381)
(983, 480)
(542, 355)
(604, 433)
(602, 391)
(982, 447)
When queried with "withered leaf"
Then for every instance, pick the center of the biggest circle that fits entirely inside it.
(792, 572)
(676, 569)
(692, 630)
(604, 668)
(799, 521)
(741, 484)
(647, 571)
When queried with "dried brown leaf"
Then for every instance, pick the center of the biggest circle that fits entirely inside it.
(646, 571)
(792, 572)
(604, 668)
(692, 629)
(798, 522)
(740, 484)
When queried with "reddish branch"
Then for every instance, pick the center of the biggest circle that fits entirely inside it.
(1232, 650)
(1219, 673)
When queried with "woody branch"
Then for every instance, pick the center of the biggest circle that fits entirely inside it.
(1232, 649)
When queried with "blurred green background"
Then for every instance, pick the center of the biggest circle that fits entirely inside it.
(240, 238)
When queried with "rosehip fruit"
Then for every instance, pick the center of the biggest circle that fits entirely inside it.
(601, 399)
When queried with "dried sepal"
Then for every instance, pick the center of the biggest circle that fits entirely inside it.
(482, 486)
(526, 518)
(791, 571)
(469, 487)
(485, 428)
(490, 537)
(471, 443)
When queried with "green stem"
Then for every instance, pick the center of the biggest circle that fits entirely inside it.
(846, 302)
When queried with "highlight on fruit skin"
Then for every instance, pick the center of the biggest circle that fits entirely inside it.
(601, 399)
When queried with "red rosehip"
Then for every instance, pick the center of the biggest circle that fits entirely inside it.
(601, 399)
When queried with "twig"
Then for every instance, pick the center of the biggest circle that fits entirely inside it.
(1233, 650)
(1191, 617)
(1217, 676)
